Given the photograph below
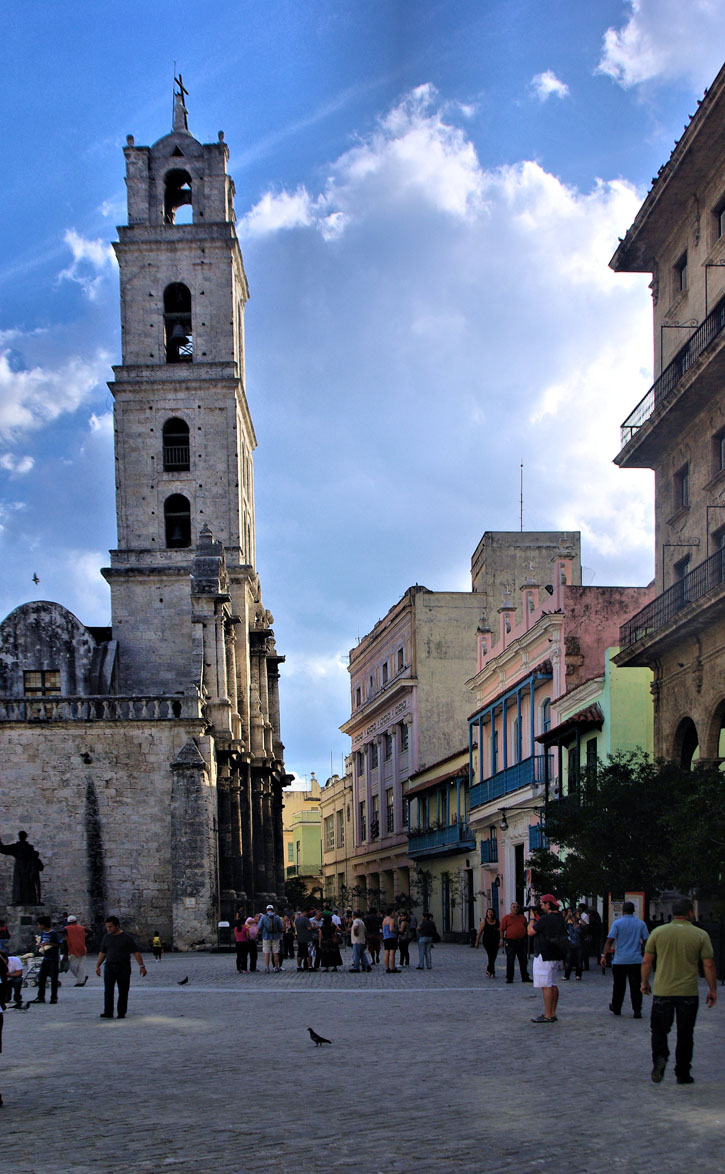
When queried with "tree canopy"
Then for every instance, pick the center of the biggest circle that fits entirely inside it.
(636, 824)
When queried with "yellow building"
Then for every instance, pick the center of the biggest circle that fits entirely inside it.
(302, 832)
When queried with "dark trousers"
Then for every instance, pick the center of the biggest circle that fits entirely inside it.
(48, 970)
(115, 978)
(664, 1010)
(574, 961)
(516, 950)
(404, 952)
(491, 954)
(621, 974)
(16, 989)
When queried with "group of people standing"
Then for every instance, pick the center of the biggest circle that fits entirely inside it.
(583, 930)
(318, 935)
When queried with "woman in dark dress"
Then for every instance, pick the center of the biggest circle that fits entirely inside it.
(329, 950)
(490, 932)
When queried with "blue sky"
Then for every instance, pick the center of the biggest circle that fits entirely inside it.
(428, 196)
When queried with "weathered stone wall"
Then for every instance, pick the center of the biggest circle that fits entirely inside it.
(504, 559)
(96, 801)
(45, 635)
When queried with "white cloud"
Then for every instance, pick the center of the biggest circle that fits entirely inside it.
(92, 261)
(16, 465)
(547, 85)
(31, 398)
(665, 40)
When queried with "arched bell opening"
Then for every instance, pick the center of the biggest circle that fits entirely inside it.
(177, 520)
(177, 323)
(178, 198)
(176, 446)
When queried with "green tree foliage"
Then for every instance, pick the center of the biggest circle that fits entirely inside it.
(635, 824)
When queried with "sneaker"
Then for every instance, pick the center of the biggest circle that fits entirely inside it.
(37, 1000)
(104, 1016)
(685, 1080)
(658, 1069)
(544, 1019)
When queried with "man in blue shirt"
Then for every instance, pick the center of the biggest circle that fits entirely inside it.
(627, 934)
(49, 942)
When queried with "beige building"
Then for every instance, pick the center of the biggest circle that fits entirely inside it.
(678, 430)
(409, 706)
(336, 802)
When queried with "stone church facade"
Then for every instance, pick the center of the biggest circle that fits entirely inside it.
(145, 760)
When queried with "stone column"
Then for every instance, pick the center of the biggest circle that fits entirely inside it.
(245, 803)
(268, 833)
(194, 878)
(260, 879)
(225, 828)
(236, 833)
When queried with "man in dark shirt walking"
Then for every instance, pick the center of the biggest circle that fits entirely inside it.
(117, 947)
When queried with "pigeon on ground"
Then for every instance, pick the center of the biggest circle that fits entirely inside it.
(318, 1039)
(183, 981)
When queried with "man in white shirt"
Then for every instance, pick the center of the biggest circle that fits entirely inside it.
(15, 979)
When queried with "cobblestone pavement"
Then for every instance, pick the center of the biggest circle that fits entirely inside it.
(428, 1071)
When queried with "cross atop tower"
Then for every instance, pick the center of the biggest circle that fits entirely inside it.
(181, 121)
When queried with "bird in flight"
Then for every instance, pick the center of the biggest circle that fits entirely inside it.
(36, 580)
(318, 1039)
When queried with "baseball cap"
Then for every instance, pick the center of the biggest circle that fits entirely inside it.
(270, 907)
(550, 899)
(71, 919)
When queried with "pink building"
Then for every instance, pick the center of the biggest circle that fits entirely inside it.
(558, 644)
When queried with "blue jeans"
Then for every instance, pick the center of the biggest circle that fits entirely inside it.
(359, 956)
(424, 954)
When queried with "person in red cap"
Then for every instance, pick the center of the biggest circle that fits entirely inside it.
(550, 939)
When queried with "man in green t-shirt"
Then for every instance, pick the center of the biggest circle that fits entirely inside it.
(678, 948)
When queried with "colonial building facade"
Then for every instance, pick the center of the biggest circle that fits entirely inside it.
(559, 644)
(678, 430)
(408, 705)
(145, 760)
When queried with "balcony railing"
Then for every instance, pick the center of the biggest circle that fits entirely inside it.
(665, 385)
(176, 456)
(691, 587)
(103, 709)
(523, 774)
(456, 837)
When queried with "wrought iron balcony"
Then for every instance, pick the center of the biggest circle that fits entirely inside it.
(664, 387)
(666, 607)
(455, 837)
(522, 774)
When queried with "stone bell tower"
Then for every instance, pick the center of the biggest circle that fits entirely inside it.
(187, 610)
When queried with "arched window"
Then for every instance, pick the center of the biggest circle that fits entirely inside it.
(177, 194)
(176, 446)
(177, 519)
(177, 323)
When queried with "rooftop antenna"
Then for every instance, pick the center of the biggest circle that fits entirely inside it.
(521, 498)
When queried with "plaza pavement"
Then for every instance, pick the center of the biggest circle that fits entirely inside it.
(439, 1070)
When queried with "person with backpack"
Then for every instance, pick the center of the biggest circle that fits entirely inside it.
(551, 943)
(270, 931)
